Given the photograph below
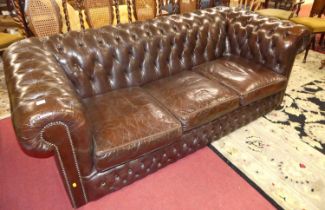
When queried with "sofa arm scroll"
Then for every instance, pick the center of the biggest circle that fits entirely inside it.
(47, 113)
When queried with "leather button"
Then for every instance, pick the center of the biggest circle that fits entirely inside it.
(103, 184)
(130, 172)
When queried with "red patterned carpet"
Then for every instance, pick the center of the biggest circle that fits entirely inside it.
(199, 181)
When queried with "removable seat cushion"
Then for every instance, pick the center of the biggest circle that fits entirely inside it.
(250, 80)
(7, 39)
(192, 98)
(278, 13)
(315, 24)
(128, 123)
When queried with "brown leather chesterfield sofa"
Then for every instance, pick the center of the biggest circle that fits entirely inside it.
(118, 103)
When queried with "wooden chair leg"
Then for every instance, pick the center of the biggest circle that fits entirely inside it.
(308, 47)
(321, 40)
(314, 43)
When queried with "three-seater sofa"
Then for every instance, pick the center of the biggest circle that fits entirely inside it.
(118, 103)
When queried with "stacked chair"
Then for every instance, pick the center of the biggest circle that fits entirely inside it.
(43, 17)
(47, 17)
(249, 5)
(145, 9)
(282, 9)
(314, 22)
(186, 6)
(99, 12)
(9, 28)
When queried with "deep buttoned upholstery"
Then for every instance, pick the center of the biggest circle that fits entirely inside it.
(192, 98)
(118, 103)
(133, 118)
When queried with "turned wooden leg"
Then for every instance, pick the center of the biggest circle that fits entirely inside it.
(314, 42)
(308, 47)
(321, 41)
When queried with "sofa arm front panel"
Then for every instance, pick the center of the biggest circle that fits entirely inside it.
(269, 41)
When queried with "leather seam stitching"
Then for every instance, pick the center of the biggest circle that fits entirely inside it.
(143, 139)
(267, 84)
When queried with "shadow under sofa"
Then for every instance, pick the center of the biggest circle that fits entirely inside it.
(118, 103)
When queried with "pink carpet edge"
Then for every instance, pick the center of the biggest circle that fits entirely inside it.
(201, 180)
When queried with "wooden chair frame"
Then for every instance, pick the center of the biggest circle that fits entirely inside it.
(187, 5)
(38, 8)
(250, 5)
(20, 15)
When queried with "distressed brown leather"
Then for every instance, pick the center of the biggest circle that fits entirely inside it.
(56, 85)
(251, 81)
(192, 98)
(266, 40)
(128, 123)
(102, 183)
(40, 94)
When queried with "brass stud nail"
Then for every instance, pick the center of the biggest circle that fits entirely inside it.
(74, 185)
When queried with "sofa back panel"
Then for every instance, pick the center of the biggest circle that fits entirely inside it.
(268, 41)
(97, 61)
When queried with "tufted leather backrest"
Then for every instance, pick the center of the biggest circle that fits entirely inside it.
(265, 40)
(109, 58)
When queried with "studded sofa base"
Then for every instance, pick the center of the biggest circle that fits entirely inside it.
(102, 183)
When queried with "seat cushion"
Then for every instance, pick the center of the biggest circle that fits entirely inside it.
(128, 123)
(278, 13)
(250, 80)
(315, 24)
(7, 39)
(192, 98)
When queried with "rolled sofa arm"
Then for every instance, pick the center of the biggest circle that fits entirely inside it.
(47, 114)
(46, 111)
(269, 41)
